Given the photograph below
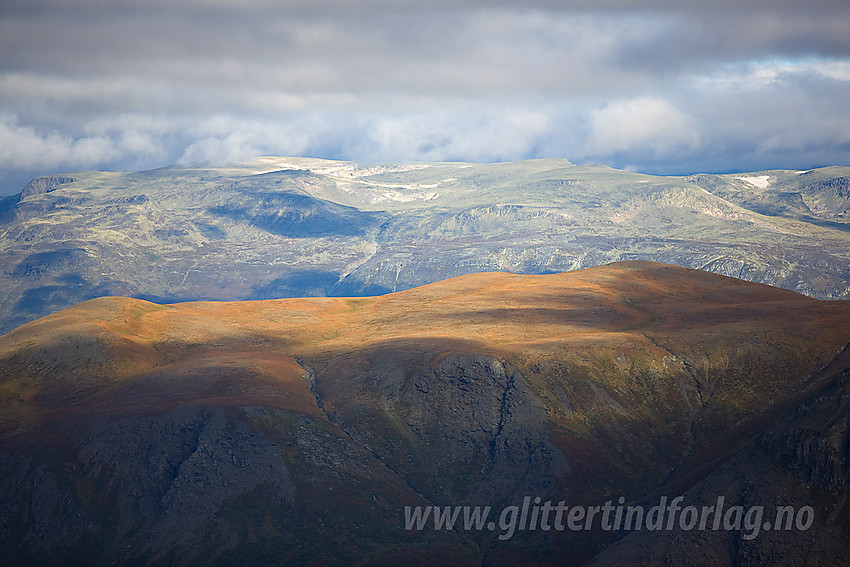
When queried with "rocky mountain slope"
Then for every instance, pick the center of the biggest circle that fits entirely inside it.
(295, 431)
(293, 227)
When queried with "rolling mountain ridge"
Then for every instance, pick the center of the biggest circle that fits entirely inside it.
(296, 227)
(297, 430)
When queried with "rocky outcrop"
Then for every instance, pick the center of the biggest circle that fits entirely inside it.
(458, 427)
(157, 483)
(47, 184)
(800, 461)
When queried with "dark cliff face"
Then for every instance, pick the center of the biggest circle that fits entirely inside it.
(47, 184)
(297, 431)
(801, 459)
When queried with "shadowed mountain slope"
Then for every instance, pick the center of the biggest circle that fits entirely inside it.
(297, 430)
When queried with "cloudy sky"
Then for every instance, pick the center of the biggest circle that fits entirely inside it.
(659, 86)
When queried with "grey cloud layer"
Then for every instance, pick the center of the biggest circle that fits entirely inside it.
(665, 88)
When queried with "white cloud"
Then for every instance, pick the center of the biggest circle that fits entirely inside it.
(463, 134)
(646, 125)
(22, 147)
(224, 139)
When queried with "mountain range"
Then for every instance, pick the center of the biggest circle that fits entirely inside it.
(297, 431)
(296, 227)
